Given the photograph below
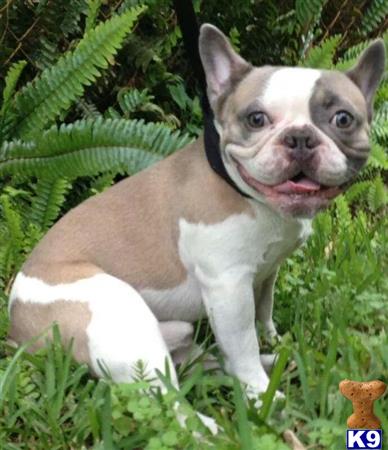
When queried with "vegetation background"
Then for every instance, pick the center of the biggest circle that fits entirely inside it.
(96, 90)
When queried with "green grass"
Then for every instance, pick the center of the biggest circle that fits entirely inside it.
(332, 310)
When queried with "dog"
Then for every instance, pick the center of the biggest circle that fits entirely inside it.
(128, 271)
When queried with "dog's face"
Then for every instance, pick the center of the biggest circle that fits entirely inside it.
(291, 137)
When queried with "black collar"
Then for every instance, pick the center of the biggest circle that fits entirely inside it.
(190, 32)
(213, 152)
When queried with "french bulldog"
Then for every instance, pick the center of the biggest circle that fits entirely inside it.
(127, 272)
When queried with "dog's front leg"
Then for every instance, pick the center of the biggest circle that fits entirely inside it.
(230, 306)
(264, 298)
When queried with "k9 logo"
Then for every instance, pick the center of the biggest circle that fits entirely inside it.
(356, 439)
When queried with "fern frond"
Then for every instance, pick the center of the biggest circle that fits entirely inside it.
(92, 13)
(55, 90)
(7, 257)
(89, 147)
(47, 54)
(343, 214)
(307, 11)
(322, 56)
(142, 53)
(59, 20)
(102, 182)
(72, 16)
(356, 190)
(380, 131)
(13, 222)
(382, 93)
(351, 55)
(134, 99)
(381, 115)
(378, 157)
(374, 16)
(11, 80)
(88, 109)
(49, 197)
(377, 195)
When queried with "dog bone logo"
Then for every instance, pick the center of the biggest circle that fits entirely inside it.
(363, 395)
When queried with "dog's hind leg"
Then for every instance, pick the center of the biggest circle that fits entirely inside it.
(119, 331)
(124, 334)
(136, 336)
(112, 327)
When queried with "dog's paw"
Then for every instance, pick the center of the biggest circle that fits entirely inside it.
(258, 398)
(256, 393)
(268, 360)
(270, 331)
(270, 335)
(273, 338)
(208, 422)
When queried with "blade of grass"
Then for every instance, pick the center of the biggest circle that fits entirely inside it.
(105, 415)
(242, 417)
(382, 416)
(325, 379)
(274, 382)
(192, 380)
(7, 377)
(304, 384)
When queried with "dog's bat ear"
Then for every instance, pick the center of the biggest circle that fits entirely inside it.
(368, 71)
(223, 66)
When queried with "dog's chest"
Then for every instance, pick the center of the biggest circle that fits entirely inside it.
(243, 242)
(256, 243)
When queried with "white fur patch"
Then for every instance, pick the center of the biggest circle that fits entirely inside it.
(30, 289)
(224, 257)
(253, 243)
(122, 330)
(288, 93)
(239, 241)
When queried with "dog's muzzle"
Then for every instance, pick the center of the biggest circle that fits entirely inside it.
(300, 143)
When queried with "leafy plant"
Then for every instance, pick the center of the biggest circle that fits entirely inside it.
(55, 90)
(90, 146)
(56, 155)
(374, 16)
(93, 75)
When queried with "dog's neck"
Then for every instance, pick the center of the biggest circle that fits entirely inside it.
(213, 152)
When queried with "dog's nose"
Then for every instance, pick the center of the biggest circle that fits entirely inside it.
(300, 141)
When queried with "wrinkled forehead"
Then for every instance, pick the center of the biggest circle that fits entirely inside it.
(292, 92)
(288, 90)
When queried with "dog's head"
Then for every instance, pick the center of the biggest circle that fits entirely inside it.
(291, 137)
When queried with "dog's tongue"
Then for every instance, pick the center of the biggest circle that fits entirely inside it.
(301, 186)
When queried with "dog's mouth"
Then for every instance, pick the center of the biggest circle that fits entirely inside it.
(302, 185)
(298, 187)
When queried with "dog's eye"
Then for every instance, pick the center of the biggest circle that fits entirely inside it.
(257, 119)
(343, 119)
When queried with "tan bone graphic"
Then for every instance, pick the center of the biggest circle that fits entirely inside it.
(363, 395)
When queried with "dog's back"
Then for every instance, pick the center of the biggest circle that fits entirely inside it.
(130, 231)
